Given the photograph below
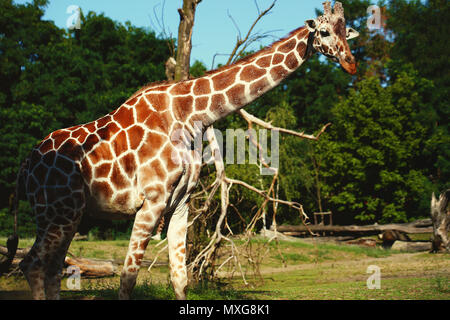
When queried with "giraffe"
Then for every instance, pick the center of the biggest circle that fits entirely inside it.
(129, 163)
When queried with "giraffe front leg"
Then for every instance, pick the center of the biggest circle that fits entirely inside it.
(145, 221)
(176, 237)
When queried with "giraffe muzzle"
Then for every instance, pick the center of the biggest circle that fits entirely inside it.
(348, 64)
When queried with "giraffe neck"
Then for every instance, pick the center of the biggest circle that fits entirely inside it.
(212, 97)
(226, 90)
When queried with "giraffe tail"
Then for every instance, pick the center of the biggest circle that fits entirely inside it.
(13, 240)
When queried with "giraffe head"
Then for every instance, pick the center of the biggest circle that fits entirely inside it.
(330, 36)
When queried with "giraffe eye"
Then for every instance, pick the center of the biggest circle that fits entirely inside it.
(324, 33)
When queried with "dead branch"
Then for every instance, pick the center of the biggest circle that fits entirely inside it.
(241, 41)
(267, 125)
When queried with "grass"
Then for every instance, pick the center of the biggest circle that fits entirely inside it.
(288, 270)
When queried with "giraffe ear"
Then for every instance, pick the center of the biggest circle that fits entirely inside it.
(352, 33)
(311, 25)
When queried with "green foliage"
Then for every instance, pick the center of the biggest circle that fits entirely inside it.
(375, 166)
(419, 28)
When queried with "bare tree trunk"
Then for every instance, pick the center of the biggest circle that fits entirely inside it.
(440, 215)
(187, 17)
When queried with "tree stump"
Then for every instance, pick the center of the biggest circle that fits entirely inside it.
(440, 216)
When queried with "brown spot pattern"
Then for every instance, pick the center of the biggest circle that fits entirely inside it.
(225, 79)
(132, 101)
(79, 134)
(182, 107)
(142, 110)
(101, 152)
(154, 171)
(159, 101)
(302, 34)
(259, 87)
(278, 73)
(128, 164)
(288, 46)
(264, 62)
(236, 95)
(124, 117)
(159, 121)
(202, 87)
(218, 104)
(118, 180)
(201, 103)
(182, 88)
(120, 144)
(90, 127)
(135, 135)
(104, 120)
(301, 49)
(251, 73)
(103, 170)
(122, 199)
(150, 147)
(101, 190)
(108, 131)
(170, 164)
(277, 58)
(59, 137)
(291, 61)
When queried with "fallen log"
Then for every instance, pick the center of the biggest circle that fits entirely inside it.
(89, 268)
(20, 253)
(420, 226)
(363, 242)
(92, 268)
(79, 237)
(418, 246)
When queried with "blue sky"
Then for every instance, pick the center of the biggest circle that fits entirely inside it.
(214, 31)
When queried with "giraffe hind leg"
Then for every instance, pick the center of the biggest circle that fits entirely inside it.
(55, 264)
(58, 214)
(34, 272)
(43, 265)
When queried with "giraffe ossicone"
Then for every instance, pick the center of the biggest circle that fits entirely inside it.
(124, 165)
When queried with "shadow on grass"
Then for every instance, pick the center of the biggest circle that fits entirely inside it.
(149, 291)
